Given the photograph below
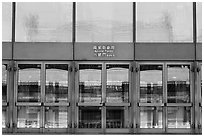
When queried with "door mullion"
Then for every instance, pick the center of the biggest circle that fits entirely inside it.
(165, 79)
(104, 81)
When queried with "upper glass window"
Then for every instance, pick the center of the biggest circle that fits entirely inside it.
(6, 21)
(164, 22)
(104, 22)
(199, 21)
(44, 22)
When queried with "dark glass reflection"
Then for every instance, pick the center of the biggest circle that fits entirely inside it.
(116, 117)
(4, 83)
(178, 84)
(55, 117)
(150, 117)
(90, 82)
(151, 84)
(117, 87)
(56, 89)
(4, 117)
(89, 117)
(179, 117)
(29, 83)
(28, 117)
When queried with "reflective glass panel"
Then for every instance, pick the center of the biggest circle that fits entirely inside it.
(178, 84)
(179, 117)
(29, 83)
(104, 21)
(56, 117)
(199, 21)
(117, 117)
(151, 84)
(28, 117)
(89, 117)
(4, 83)
(117, 86)
(44, 22)
(56, 89)
(4, 117)
(90, 82)
(164, 22)
(6, 21)
(151, 117)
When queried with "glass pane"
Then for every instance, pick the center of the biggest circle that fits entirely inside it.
(199, 21)
(4, 117)
(164, 22)
(6, 21)
(29, 83)
(178, 84)
(89, 117)
(44, 22)
(56, 89)
(179, 117)
(151, 90)
(56, 117)
(151, 117)
(104, 21)
(117, 87)
(117, 117)
(4, 83)
(90, 86)
(28, 117)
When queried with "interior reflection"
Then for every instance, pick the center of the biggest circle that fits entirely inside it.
(4, 83)
(55, 117)
(90, 83)
(4, 117)
(151, 117)
(89, 117)
(116, 117)
(29, 82)
(151, 84)
(56, 89)
(178, 84)
(117, 87)
(28, 117)
(179, 117)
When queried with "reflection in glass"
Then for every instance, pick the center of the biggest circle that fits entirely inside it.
(6, 21)
(89, 117)
(117, 87)
(164, 22)
(29, 82)
(4, 117)
(116, 117)
(56, 89)
(178, 84)
(151, 84)
(28, 117)
(44, 22)
(179, 117)
(151, 117)
(104, 21)
(55, 117)
(90, 83)
(199, 21)
(4, 83)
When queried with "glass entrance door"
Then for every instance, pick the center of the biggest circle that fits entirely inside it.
(102, 102)
(117, 98)
(89, 109)
(165, 98)
(151, 100)
(42, 97)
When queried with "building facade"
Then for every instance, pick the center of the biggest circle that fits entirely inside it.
(101, 68)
